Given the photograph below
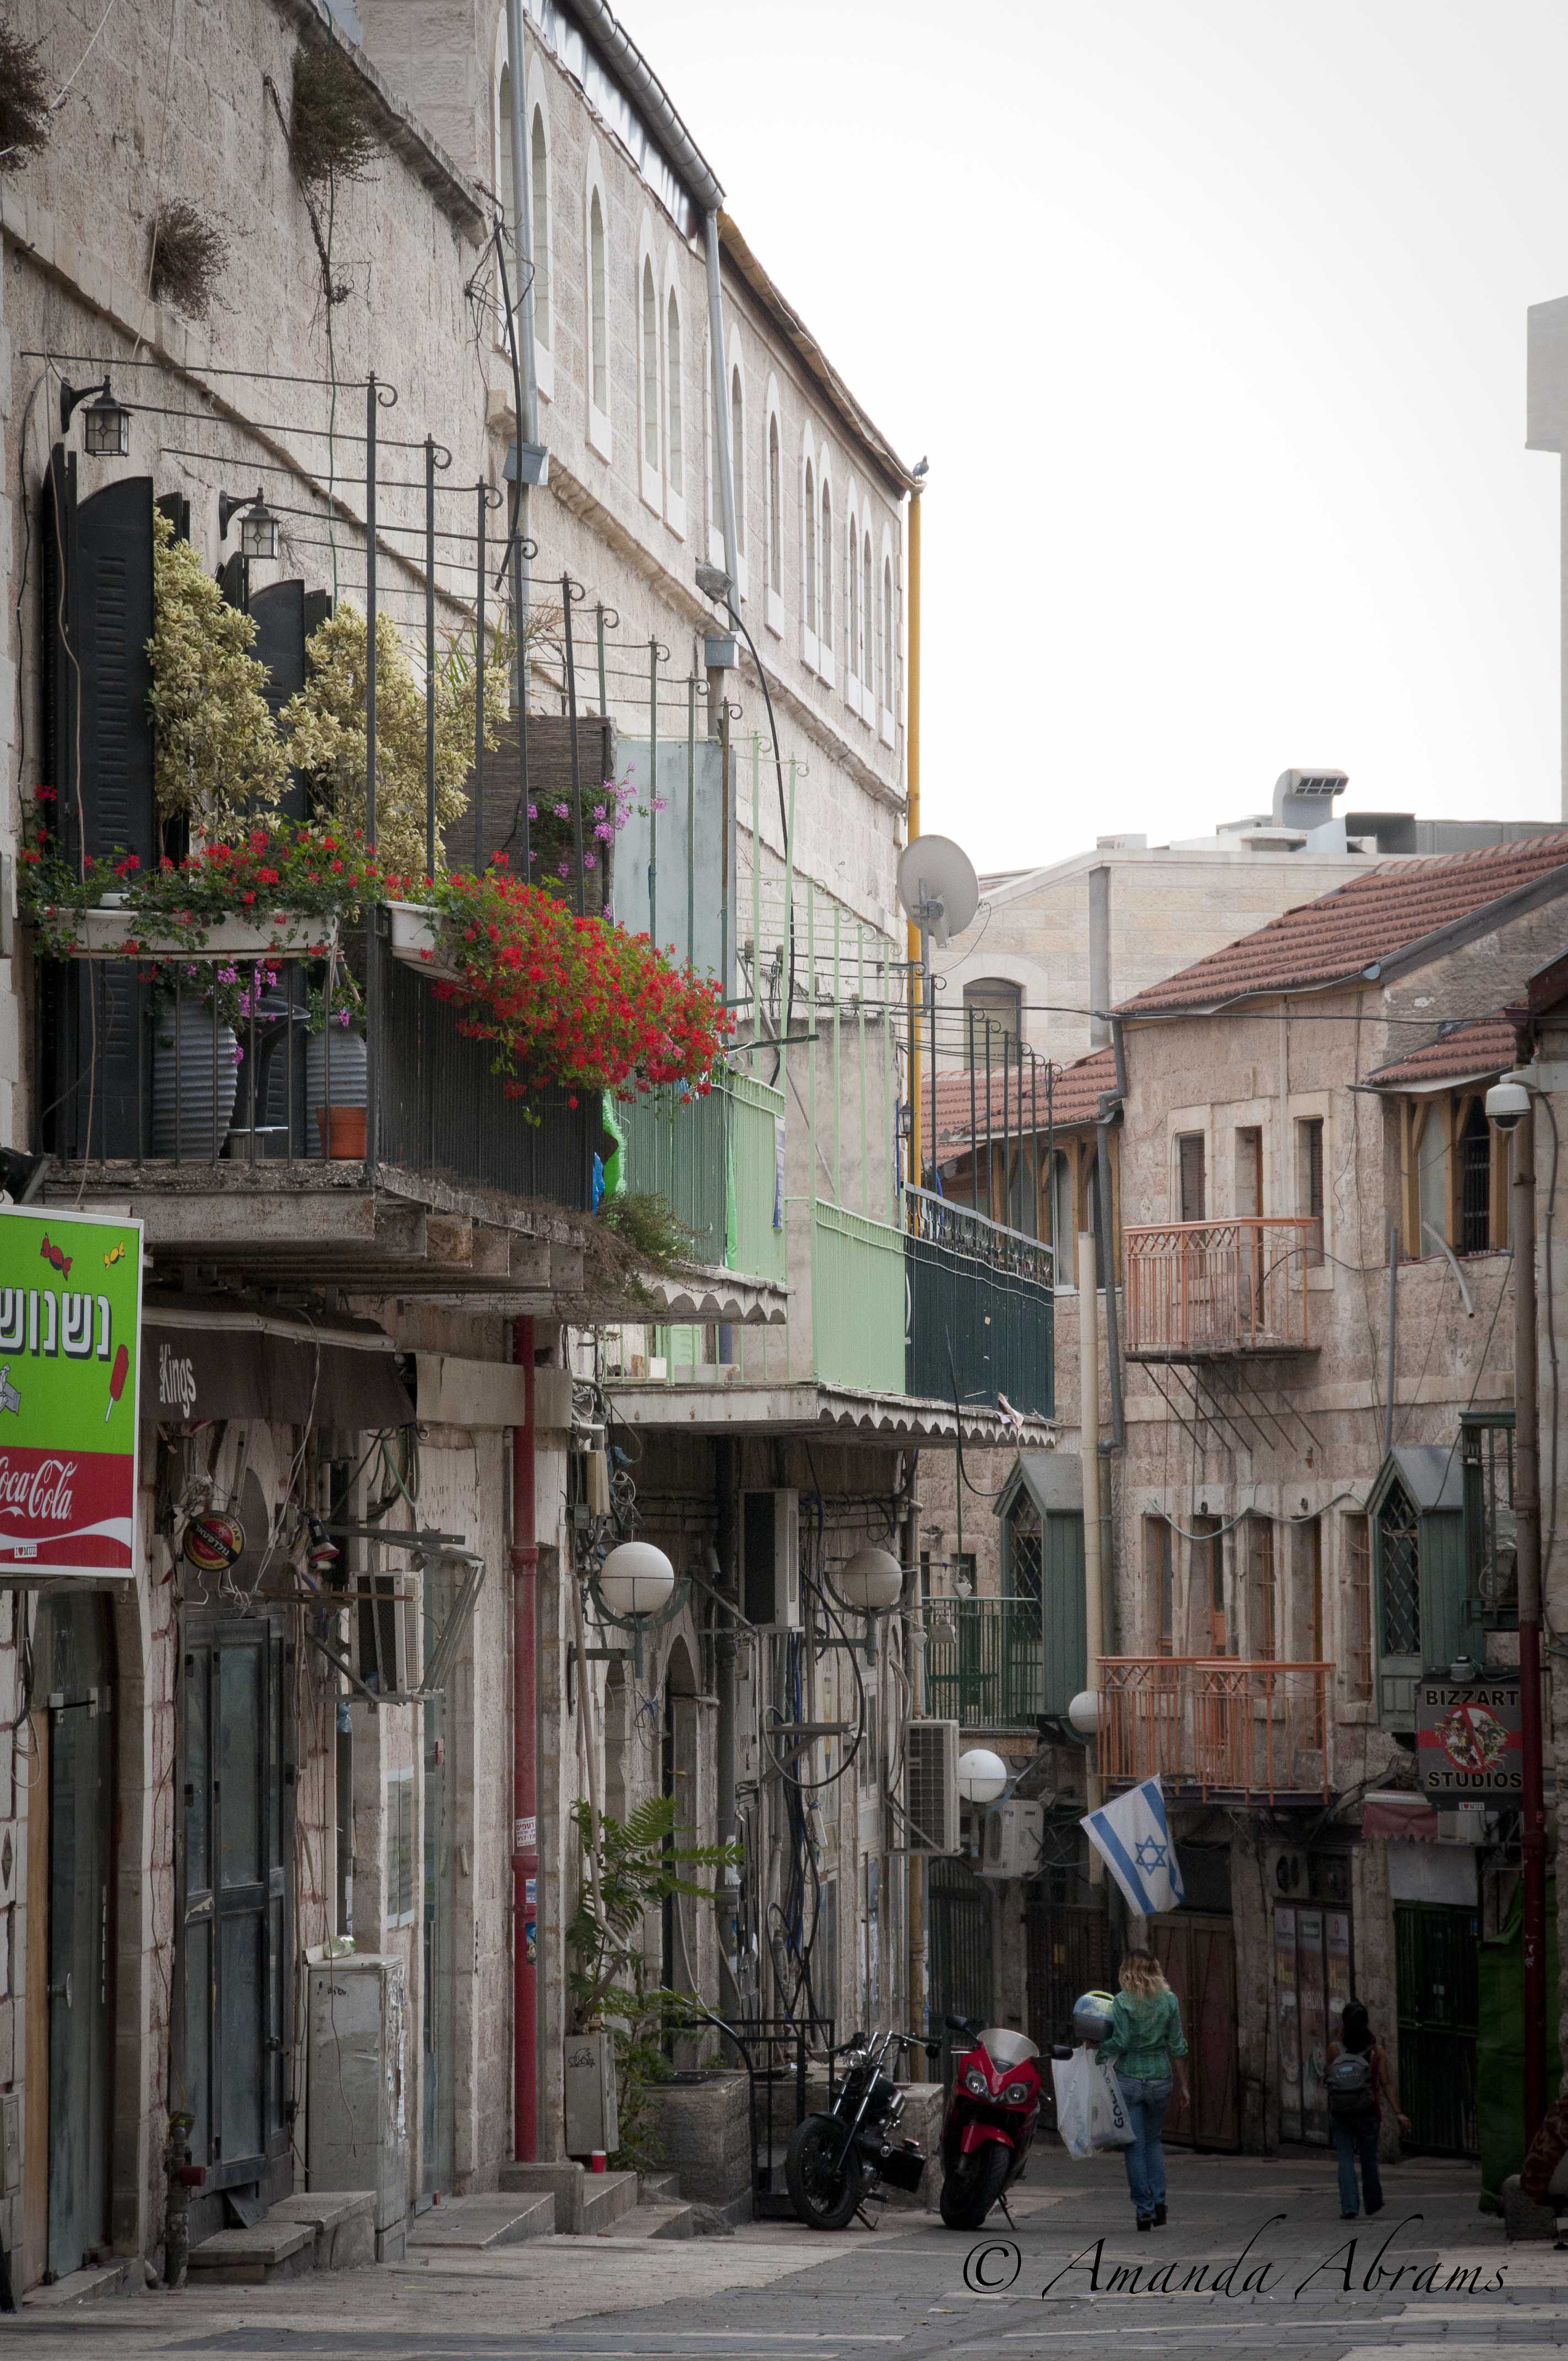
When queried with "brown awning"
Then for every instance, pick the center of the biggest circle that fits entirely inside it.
(199, 1365)
(1398, 1816)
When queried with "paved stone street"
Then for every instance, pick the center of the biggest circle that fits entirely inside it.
(1423, 2279)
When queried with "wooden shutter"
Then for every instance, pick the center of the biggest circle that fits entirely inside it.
(278, 614)
(1067, 1641)
(1189, 1151)
(1445, 1585)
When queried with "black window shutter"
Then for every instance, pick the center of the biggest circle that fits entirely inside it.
(57, 517)
(278, 613)
(110, 606)
(177, 509)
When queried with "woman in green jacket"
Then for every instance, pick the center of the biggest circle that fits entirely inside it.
(1148, 2049)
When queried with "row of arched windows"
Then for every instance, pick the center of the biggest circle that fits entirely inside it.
(848, 595)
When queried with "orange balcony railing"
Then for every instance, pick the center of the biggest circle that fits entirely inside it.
(1200, 1288)
(1216, 1724)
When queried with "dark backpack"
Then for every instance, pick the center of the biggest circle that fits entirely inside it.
(1349, 2085)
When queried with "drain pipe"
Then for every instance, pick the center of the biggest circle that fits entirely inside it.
(728, 1890)
(524, 1767)
(1110, 1113)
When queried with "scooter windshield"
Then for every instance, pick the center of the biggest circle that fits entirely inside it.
(1005, 2047)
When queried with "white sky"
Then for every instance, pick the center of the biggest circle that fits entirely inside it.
(1211, 317)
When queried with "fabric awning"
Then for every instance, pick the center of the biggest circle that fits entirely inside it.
(232, 1362)
(1399, 1815)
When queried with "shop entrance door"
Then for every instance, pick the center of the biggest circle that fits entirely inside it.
(1198, 1953)
(1435, 1949)
(235, 1948)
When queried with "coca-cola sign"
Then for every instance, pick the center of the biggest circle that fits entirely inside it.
(70, 1324)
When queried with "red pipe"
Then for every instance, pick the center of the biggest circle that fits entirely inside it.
(1534, 1851)
(524, 1767)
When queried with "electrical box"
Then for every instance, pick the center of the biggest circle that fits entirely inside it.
(931, 1801)
(592, 2118)
(770, 1559)
(1013, 1838)
(358, 2135)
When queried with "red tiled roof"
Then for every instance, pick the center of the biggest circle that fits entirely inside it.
(1486, 1045)
(1074, 1099)
(1367, 919)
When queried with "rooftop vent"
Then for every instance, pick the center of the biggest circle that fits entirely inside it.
(1305, 798)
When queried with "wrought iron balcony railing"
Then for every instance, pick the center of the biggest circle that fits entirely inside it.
(1199, 1291)
(979, 1309)
(1221, 1726)
(985, 1662)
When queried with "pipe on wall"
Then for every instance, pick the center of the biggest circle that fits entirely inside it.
(525, 1765)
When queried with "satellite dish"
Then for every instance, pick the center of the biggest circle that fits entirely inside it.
(936, 885)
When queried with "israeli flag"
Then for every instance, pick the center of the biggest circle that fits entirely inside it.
(1133, 1834)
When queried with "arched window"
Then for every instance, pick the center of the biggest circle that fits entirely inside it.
(738, 458)
(598, 324)
(887, 632)
(775, 510)
(540, 153)
(852, 590)
(1399, 1536)
(650, 369)
(992, 1008)
(868, 621)
(828, 571)
(677, 464)
(505, 180)
(809, 565)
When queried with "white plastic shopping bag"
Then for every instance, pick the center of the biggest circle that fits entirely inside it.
(1108, 2125)
(1073, 2078)
(1090, 2113)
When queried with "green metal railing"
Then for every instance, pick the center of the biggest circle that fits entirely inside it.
(985, 1662)
(856, 1301)
(676, 1146)
(980, 1309)
(756, 1240)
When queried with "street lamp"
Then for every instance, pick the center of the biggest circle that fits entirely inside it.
(982, 1775)
(106, 429)
(1510, 1108)
(870, 1581)
(258, 525)
(635, 1589)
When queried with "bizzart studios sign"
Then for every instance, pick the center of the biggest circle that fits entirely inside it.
(69, 1354)
(1469, 1741)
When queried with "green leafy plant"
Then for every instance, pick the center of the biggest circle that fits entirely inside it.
(642, 1864)
(644, 1220)
(323, 727)
(219, 758)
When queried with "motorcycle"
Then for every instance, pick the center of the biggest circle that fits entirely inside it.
(992, 2118)
(838, 2161)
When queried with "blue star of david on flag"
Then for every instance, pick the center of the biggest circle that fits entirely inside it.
(1133, 1834)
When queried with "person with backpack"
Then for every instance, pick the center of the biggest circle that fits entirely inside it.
(1357, 2081)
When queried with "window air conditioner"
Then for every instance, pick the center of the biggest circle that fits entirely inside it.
(1013, 1840)
(1462, 1824)
(388, 1633)
(931, 1786)
(770, 1559)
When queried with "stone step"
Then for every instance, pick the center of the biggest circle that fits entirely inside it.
(326, 2230)
(89, 2285)
(481, 2222)
(649, 2220)
(659, 2188)
(607, 2196)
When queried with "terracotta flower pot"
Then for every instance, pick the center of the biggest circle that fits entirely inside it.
(341, 1130)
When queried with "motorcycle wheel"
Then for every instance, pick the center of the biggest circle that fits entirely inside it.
(974, 2184)
(824, 2193)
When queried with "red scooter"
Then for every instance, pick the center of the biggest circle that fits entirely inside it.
(992, 2119)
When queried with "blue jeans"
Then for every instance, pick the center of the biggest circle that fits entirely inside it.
(1356, 2135)
(1145, 2102)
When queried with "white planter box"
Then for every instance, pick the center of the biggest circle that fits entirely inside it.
(415, 938)
(103, 934)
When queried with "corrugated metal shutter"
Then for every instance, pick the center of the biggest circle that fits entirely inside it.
(1445, 1585)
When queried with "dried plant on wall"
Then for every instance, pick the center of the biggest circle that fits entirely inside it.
(189, 259)
(24, 99)
(331, 132)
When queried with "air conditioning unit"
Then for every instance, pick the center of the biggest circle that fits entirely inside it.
(770, 1559)
(1463, 1824)
(389, 1634)
(1013, 1840)
(931, 1801)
